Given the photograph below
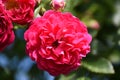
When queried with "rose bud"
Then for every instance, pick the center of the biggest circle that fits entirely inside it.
(58, 4)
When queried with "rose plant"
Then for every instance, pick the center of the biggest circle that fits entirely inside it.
(56, 41)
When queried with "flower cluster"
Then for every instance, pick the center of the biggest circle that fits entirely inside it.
(57, 42)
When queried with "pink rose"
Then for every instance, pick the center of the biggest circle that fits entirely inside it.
(20, 11)
(6, 29)
(57, 42)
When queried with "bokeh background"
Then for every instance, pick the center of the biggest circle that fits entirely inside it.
(102, 18)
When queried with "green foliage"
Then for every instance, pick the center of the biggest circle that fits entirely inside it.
(99, 66)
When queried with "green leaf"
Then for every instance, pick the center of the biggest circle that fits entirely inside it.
(99, 66)
(69, 77)
(83, 78)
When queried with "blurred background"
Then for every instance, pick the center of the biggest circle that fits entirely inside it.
(102, 18)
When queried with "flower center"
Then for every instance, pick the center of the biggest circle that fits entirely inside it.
(55, 44)
(9, 4)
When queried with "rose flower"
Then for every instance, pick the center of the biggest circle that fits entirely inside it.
(6, 29)
(20, 11)
(57, 42)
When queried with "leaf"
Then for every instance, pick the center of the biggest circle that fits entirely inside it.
(99, 66)
(69, 77)
(83, 78)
